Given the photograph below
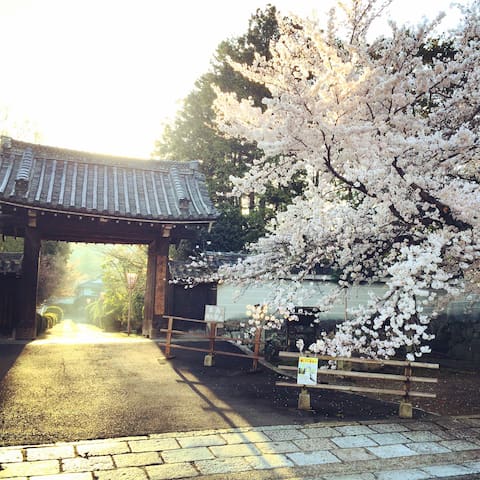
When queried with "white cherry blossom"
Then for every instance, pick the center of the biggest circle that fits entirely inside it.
(388, 146)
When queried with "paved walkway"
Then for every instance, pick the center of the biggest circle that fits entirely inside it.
(374, 450)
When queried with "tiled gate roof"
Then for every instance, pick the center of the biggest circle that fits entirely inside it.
(61, 180)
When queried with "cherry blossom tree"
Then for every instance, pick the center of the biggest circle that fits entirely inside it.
(388, 146)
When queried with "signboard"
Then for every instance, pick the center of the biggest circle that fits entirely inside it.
(214, 313)
(307, 371)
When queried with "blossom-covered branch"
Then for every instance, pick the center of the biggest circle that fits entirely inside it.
(388, 146)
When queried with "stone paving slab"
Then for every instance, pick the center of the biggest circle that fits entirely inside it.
(388, 438)
(278, 447)
(422, 436)
(92, 464)
(269, 461)
(50, 453)
(309, 445)
(313, 458)
(351, 441)
(107, 448)
(321, 432)
(25, 469)
(391, 451)
(411, 474)
(397, 450)
(11, 455)
(199, 441)
(140, 459)
(389, 427)
(427, 447)
(167, 472)
(67, 476)
(353, 454)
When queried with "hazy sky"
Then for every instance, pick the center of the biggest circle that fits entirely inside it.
(105, 75)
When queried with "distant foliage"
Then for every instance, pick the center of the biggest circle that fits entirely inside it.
(53, 269)
(195, 135)
(110, 310)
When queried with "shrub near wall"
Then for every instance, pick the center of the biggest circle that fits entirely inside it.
(50, 317)
(41, 323)
(56, 311)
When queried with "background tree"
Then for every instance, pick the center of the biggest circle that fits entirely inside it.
(16, 127)
(53, 270)
(11, 244)
(390, 143)
(112, 307)
(194, 135)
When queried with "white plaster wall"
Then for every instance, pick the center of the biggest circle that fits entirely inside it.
(235, 300)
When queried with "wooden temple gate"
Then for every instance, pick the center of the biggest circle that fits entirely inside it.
(49, 193)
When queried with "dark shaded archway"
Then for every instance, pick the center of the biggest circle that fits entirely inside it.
(48, 193)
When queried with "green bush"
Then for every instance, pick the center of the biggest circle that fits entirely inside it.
(51, 319)
(57, 311)
(41, 323)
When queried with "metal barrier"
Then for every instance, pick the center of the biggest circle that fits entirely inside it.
(211, 337)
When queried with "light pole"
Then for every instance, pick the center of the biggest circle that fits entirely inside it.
(131, 281)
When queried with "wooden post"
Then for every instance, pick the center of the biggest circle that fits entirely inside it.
(156, 292)
(26, 328)
(406, 407)
(304, 399)
(209, 359)
(213, 332)
(256, 349)
(168, 354)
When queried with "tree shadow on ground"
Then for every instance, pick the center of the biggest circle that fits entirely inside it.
(255, 396)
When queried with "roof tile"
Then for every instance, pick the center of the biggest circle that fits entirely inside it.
(77, 182)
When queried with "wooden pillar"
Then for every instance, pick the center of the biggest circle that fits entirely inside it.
(156, 293)
(26, 328)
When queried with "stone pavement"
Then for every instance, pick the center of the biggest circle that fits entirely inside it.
(374, 450)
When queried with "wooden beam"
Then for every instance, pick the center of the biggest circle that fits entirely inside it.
(378, 376)
(379, 362)
(348, 388)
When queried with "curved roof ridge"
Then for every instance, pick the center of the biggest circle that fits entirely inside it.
(79, 156)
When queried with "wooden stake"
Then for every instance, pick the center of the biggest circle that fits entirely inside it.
(256, 350)
(169, 338)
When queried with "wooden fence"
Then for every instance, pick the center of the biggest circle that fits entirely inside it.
(407, 379)
(212, 337)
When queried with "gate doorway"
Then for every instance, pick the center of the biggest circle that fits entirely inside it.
(99, 285)
(48, 193)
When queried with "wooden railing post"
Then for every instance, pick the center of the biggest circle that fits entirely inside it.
(406, 407)
(256, 350)
(408, 374)
(213, 333)
(209, 359)
(212, 336)
(169, 338)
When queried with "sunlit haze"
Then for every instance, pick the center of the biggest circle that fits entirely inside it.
(105, 76)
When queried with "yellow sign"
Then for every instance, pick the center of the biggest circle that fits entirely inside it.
(307, 371)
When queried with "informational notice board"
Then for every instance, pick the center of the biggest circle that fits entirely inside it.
(307, 371)
(214, 313)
